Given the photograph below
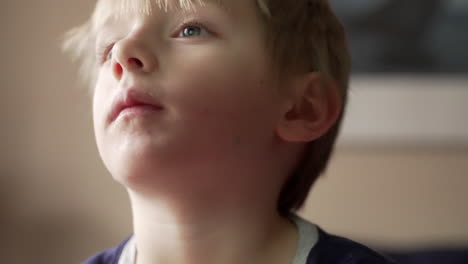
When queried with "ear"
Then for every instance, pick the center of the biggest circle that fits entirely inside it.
(313, 107)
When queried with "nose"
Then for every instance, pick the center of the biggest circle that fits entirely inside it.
(132, 56)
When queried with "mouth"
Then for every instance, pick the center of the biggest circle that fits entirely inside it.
(133, 102)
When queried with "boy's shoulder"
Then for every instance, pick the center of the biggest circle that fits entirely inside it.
(339, 250)
(109, 256)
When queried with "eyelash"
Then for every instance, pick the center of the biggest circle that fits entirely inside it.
(103, 53)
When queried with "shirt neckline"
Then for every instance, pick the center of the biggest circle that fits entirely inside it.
(307, 238)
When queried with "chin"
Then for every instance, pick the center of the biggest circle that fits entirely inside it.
(132, 161)
(132, 172)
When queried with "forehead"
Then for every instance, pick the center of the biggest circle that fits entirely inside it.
(107, 9)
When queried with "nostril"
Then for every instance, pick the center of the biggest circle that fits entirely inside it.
(118, 70)
(136, 62)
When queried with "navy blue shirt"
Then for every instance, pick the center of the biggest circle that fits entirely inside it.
(329, 249)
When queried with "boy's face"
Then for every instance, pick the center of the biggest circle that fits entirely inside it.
(210, 75)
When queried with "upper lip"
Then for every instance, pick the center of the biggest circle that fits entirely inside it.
(130, 98)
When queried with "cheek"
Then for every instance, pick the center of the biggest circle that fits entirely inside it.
(98, 103)
(98, 110)
(222, 80)
(225, 96)
(100, 107)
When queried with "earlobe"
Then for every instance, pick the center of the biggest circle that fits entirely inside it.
(312, 110)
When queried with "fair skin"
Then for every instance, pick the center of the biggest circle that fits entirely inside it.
(204, 169)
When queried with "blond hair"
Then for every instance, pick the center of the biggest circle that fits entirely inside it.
(302, 36)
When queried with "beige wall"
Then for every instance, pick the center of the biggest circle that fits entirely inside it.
(59, 205)
(395, 197)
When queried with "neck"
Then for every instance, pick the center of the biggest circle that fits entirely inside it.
(174, 233)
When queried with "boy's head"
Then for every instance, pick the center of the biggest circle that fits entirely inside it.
(193, 87)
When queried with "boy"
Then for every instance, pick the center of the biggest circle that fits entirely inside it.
(217, 116)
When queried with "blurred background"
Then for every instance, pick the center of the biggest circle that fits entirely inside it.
(398, 180)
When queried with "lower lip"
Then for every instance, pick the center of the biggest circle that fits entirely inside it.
(139, 110)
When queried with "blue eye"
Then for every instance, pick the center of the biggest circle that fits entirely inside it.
(109, 54)
(106, 53)
(193, 31)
